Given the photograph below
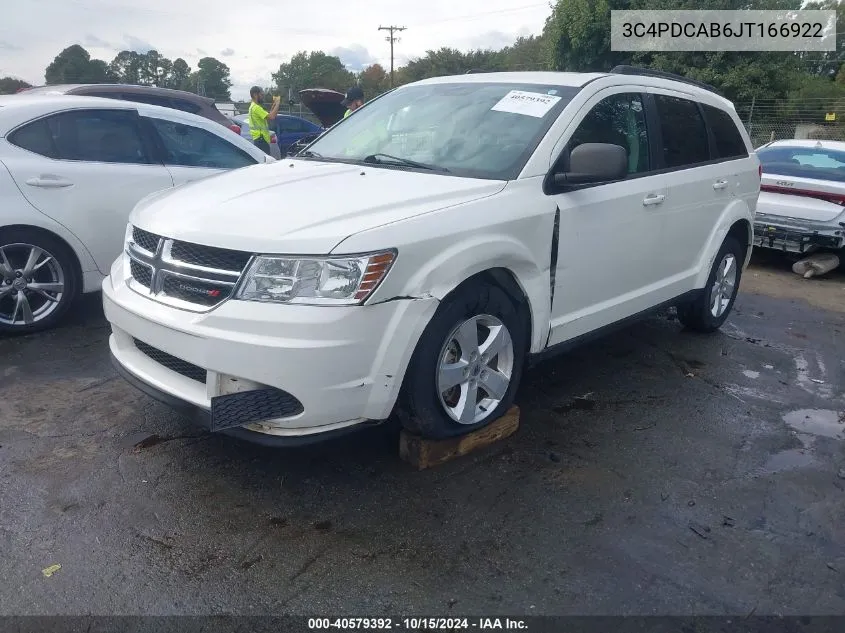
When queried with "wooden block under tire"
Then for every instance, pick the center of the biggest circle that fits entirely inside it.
(422, 453)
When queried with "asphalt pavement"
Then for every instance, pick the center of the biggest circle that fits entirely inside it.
(655, 471)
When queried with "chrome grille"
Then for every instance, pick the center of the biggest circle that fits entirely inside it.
(209, 256)
(193, 290)
(182, 274)
(142, 273)
(146, 240)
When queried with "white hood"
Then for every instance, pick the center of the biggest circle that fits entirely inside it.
(298, 206)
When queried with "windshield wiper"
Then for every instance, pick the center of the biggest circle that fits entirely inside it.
(387, 159)
(309, 154)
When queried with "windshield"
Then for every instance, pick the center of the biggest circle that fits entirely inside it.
(479, 130)
(804, 162)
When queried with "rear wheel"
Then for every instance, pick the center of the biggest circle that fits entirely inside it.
(709, 311)
(38, 280)
(467, 365)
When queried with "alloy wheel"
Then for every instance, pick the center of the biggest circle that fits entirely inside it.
(32, 284)
(475, 368)
(724, 285)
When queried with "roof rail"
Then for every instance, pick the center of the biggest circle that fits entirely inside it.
(649, 72)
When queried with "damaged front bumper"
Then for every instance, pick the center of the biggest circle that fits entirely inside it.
(795, 235)
(267, 371)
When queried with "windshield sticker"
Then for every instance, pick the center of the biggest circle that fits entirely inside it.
(528, 103)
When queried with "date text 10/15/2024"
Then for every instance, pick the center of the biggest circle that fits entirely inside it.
(417, 624)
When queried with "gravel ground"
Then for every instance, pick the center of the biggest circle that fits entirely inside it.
(655, 472)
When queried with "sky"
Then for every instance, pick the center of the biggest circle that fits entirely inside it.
(254, 36)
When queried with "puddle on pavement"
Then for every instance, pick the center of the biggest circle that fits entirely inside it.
(808, 425)
(820, 422)
(791, 459)
(751, 374)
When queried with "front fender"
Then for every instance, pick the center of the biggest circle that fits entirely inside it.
(442, 273)
(510, 231)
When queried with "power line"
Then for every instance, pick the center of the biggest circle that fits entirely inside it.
(390, 38)
(473, 16)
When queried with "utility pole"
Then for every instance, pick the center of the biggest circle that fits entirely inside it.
(391, 39)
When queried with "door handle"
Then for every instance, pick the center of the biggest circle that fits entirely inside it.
(655, 198)
(49, 182)
(720, 184)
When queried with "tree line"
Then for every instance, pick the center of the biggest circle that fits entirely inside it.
(75, 65)
(576, 37)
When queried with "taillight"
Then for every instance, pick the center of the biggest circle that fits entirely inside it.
(235, 128)
(835, 198)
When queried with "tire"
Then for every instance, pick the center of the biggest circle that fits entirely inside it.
(701, 315)
(23, 308)
(424, 408)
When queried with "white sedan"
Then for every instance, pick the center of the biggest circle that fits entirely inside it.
(71, 170)
(802, 196)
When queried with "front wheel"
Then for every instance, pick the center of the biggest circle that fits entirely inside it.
(709, 311)
(467, 365)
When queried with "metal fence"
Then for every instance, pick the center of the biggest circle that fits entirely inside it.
(762, 132)
(811, 119)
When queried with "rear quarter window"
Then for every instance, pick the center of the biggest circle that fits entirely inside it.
(35, 137)
(727, 138)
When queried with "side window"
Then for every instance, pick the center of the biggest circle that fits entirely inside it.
(620, 120)
(287, 126)
(35, 137)
(684, 132)
(729, 143)
(102, 136)
(189, 146)
(148, 99)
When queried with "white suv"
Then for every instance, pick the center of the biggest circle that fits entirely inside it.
(414, 257)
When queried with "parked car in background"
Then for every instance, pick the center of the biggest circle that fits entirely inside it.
(71, 170)
(241, 122)
(431, 245)
(293, 129)
(164, 97)
(802, 196)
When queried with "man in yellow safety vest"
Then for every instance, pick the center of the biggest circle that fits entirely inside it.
(259, 129)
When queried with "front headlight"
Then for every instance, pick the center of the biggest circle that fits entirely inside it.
(345, 280)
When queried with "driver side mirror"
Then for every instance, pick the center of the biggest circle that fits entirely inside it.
(594, 163)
